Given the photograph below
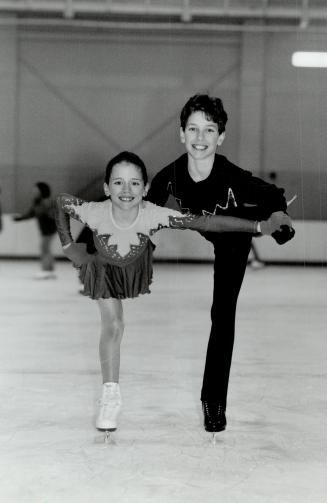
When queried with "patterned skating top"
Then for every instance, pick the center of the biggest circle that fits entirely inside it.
(123, 247)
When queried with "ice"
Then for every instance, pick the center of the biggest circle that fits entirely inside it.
(274, 449)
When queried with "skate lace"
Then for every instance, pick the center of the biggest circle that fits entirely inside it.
(213, 410)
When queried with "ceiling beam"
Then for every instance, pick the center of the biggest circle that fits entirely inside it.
(184, 10)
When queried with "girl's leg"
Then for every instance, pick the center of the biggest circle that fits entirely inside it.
(112, 327)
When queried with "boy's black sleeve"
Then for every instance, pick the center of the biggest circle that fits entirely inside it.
(158, 192)
(259, 199)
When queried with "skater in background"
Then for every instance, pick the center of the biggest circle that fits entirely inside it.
(122, 266)
(203, 182)
(255, 260)
(42, 209)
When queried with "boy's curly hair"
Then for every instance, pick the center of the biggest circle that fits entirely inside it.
(211, 106)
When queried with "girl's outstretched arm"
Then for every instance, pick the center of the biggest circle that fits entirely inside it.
(217, 223)
(213, 223)
(65, 207)
(220, 223)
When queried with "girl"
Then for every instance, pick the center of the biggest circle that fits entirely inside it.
(122, 266)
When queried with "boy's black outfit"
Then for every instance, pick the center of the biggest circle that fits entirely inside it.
(228, 190)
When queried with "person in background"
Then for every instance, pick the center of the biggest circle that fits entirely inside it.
(43, 210)
(255, 261)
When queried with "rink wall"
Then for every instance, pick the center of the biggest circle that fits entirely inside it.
(71, 99)
(21, 239)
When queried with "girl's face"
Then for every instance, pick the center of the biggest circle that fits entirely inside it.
(126, 186)
(201, 136)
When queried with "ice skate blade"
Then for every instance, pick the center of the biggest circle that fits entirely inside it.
(107, 437)
(216, 438)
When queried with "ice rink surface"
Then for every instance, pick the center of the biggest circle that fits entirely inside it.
(275, 447)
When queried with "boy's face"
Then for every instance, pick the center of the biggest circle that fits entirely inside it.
(201, 136)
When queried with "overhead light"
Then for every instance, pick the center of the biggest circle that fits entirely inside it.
(310, 59)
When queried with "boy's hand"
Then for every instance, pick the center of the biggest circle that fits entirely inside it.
(285, 234)
(76, 252)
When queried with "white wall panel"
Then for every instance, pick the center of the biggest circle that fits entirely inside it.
(83, 100)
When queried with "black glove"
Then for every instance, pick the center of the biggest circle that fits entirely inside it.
(76, 252)
(285, 234)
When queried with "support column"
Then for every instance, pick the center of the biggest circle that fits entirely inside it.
(252, 102)
(8, 102)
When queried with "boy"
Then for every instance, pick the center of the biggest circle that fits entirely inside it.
(203, 182)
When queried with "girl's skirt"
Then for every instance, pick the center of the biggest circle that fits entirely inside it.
(102, 280)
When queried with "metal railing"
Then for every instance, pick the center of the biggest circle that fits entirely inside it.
(302, 12)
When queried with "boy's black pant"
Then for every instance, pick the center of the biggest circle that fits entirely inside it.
(231, 255)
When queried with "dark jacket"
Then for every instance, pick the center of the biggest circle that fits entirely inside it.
(228, 190)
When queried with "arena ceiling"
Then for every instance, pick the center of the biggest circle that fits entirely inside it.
(228, 14)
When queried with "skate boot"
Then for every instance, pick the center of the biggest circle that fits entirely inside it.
(110, 405)
(214, 416)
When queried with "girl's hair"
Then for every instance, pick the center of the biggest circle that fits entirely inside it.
(126, 157)
(44, 189)
(211, 106)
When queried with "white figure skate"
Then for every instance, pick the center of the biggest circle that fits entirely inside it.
(109, 409)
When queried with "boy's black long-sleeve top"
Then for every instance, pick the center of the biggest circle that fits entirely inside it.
(228, 190)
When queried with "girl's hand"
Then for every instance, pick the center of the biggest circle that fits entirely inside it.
(275, 222)
(279, 226)
(76, 252)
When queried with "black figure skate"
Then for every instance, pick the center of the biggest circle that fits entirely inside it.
(214, 417)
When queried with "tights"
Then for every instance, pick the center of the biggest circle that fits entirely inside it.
(112, 328)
